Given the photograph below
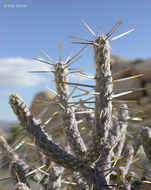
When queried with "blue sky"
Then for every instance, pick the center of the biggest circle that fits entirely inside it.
(42, 24)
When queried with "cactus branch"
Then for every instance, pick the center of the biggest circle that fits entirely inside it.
(70, 128)
(16, 170)
(103, 105)
(122, 124)
(116, 134)
(34, 129)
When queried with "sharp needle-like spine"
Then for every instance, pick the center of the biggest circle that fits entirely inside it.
(77, 84)
(39, 71)
(80, 39)
(121, 35)
(48, 57)
(68, 58)
(60, 52)
(127, 78)
(122, 71)
(76, 54)
(88, 28)
(81, 67)
(43, 61)
(113, 29)
(18, 141)
(73, 61)
(121, 94)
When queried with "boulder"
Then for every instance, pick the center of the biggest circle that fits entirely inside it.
(144, 100)
(40, 101)
(142, 67)
(148, 91)
(118, 64)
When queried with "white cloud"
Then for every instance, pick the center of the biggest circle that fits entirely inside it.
(14, 72)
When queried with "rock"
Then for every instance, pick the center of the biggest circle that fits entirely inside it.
(148, 91)
(144, 111)
(147, 110)
(144, 123)
(142, 67)
(119, 64)
(37, 106)
(144, 100)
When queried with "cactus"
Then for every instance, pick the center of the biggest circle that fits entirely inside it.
(98, 161)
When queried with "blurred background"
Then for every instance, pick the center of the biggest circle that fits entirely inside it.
(28, 26)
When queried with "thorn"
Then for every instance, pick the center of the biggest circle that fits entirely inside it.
(76, 54)
(52, 91)
(20, 139)
(136, 119)
(58, 125)
(42, 112)
(113, 29)
(51, 117)
(73, 72)
(81, 67)
(81, 112)
(37, 169)
(6, 178)
(39, 71)
(82, 102)
(68, 58)
(74, 61)
(88, 43)
(80, 95)
(80, 39)
(121, 94)
(17, 176)
(48, 57)
(88, 28)
(127, 78)
(121, 35)
(122, 71)
(37, 184)
(43, 61)
(60, 52)
(85, 75)
(77, 84)
(99, 29)
(124, 101)
(83, 90)
(100, 114)
(133, 89)
(71, 93)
